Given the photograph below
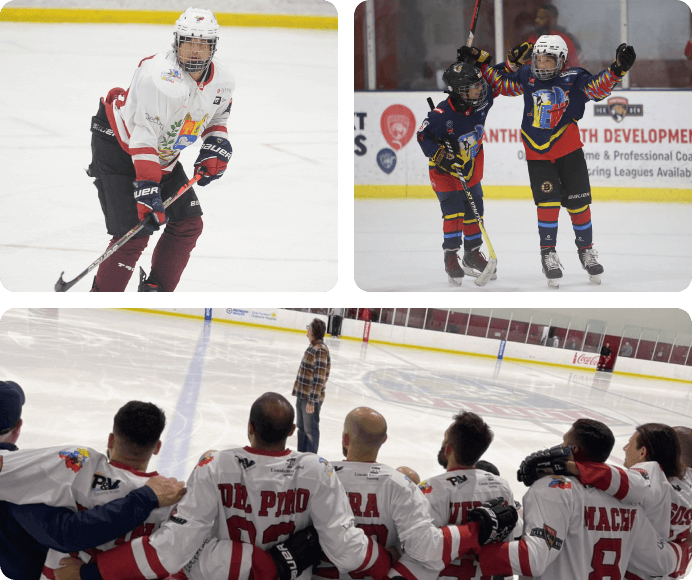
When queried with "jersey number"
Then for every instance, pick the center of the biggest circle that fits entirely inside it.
(237, 525)
(600, 568)
(377, 532)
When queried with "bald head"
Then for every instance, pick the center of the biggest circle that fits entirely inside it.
(684, 435)
(365, 430)
(271, 421)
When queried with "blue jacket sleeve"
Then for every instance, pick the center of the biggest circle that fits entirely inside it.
(66, 531)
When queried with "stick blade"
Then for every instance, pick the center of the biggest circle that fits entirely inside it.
(62, 286)
(482, 280)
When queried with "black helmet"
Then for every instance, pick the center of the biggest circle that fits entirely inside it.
(459, 80)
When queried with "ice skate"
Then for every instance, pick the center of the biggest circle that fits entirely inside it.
(144, 284)
(552, 268)
(587, 257)
(474, 263)
(455, 273)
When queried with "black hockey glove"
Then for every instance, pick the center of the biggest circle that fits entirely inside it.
(624, 59)
(545, 462)
(496, 520)
(447, 156)
(213, 158)
(298, 553)
(472, 54)
(149, 204)
(520, 54)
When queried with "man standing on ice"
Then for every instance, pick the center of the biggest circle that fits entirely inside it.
(175, 98)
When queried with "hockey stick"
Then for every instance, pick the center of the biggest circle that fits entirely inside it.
(474, 21)
(62, 286)
(489, 270)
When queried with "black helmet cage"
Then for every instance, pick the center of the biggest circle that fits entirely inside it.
(462, 79)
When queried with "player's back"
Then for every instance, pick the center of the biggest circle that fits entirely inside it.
(111, 481)
(577, 532)
(452, 495)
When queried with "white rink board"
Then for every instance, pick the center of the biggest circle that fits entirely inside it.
(653, 150)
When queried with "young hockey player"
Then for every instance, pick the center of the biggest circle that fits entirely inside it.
(175, 98)
(554, 100)
(459, 121)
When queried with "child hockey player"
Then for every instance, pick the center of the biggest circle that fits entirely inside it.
(554, 100)
(457, 123)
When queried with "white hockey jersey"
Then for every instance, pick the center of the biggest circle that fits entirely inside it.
(681, 512)
(451, 496)
(255, 498)
(49, 476)
(390, 508)
(166, 110)
(666, 504)
(111, 481)
(573, 532)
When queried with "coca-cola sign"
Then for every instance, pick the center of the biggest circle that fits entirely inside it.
(582, 358)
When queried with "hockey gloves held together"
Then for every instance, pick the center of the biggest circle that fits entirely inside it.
(474, 55)
(149, 204)
(296, 554)
(624, 59)
(213, 159)
(496, 520)
(551, 461)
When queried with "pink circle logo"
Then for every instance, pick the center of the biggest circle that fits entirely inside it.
(398, 125)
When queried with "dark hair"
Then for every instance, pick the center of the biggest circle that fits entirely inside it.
(552, 9)
(595, 439)
(470, 438)
(318, 328)
(662, 446)
(139, 424)
(487, 466)
(272, 416)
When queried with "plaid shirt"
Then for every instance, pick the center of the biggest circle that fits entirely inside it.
(313, 373)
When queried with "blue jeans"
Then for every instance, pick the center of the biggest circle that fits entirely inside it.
(308, 426)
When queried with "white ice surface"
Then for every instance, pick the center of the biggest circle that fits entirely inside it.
(80, 367)
(643, 247)
(271, 217)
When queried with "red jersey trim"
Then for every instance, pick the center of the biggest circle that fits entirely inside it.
(131, 470)
(219, 128)
(202, 84)
(153, 559)
(268, 453)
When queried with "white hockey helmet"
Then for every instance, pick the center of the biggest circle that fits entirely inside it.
(551, 45)
(199, 27)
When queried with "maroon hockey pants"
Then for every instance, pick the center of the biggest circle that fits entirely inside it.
(171, 255)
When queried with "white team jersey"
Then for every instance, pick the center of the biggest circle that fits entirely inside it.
(681, 511)
(573, 532)
(390, 508)
(452, 495)
(111, 481)
(666, 504)
(50, 476)
(165, 110)
(250, 496)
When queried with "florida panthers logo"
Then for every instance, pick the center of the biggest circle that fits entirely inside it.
(75, 458)
(548, 107)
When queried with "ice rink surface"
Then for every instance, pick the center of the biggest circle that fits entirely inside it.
(644, 247)
(272, 216)
(78, 367)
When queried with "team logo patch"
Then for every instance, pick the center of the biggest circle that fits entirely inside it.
(206, 458)
(560, 482)
(328, 469)
(470, 143)
(386, 159)
(75, 458)
(618, 108)
(546, 187)
(245, 462)
(171, 75)
(643, 472)
(548, 107)
(425, 487)
(549, 535)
